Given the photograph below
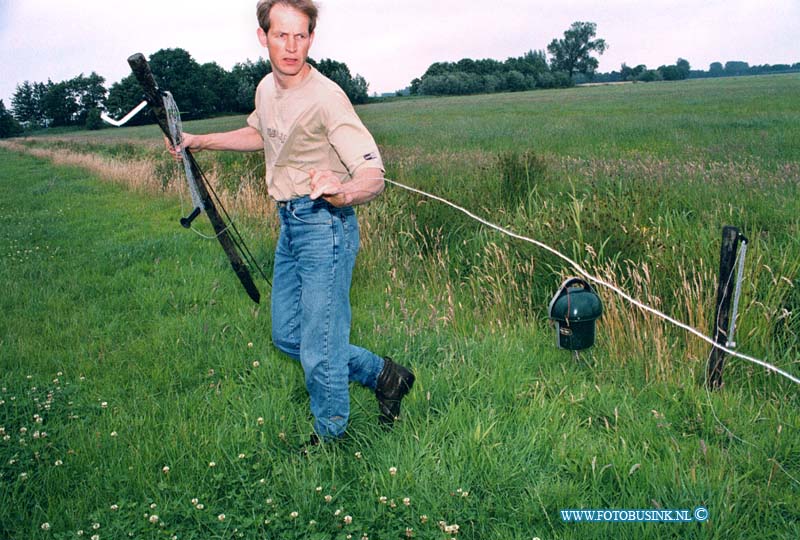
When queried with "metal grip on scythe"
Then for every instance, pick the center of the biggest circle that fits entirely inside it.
(154, 97)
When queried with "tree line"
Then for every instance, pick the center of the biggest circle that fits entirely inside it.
(570, 56)
(682, 70)
(201, 90)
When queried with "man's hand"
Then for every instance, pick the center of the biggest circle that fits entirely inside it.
(327, 185)
(190, 142)
(365, 185)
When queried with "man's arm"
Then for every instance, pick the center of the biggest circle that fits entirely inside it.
(247, 139)
(366, 184)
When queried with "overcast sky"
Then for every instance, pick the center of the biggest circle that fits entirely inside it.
(389, 42)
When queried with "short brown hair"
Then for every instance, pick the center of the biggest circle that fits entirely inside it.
(308, 7)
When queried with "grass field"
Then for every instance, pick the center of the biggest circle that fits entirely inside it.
(140, 395)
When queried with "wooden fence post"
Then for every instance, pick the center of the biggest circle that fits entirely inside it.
(727, 260)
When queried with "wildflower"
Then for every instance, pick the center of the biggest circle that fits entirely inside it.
(423, 518)
(212, 464)
(113, 433)
(221, 517)
(294, 515)
(358, 455)
(348, 520)
(114, 507)
(153, 506)
(58, 463)
(407, 501)
(45, 526)
(328, 498)
(269, 501)
(312, 523)
(23, 430)
(256, 363)
(165, 469)
(409, 532)
(23, 476)
(382, 499)
(95, 526)
(104, 405)
(200, 506)
(154, 519)
(195, 501)
(260, 421)
(95, 537)
(319, 489)
(250, 345)
(80, 532)
(393, 471)
(338, 512)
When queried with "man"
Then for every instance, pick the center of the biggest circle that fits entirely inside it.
(320, 161)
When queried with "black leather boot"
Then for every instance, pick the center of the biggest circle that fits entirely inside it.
(394, 382)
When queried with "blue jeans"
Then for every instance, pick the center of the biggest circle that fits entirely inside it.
(314, 262)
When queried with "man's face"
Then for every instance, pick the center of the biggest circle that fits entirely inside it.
(287, 41)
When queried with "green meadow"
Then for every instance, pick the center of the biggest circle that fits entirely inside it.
(140, 396)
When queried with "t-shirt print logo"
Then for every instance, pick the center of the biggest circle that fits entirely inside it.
(275, 134)
(370, 156)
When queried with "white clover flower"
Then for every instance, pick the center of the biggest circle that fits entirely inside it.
(269, 501)
(358, 455)
(23, 476)
(45, 526)
(95, 526)
(58, 463)
(165, 469)
(407, 501)
(200, 506)
(423, 518)
(114, 507)
(242, 456)
(328, 498)
(95, 537)
(260, 421)
(104, 404)
(153, 506)
(250, 345)
(382, 499)
(393, 471)
(256, 363)
(195, 501)
(221, 517)
(113, 433)
(348, 520)
(212, 464)
(154, 519)
(338, 512)
(294, 515)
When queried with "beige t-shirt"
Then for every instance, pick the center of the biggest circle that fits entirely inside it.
(310, 126)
